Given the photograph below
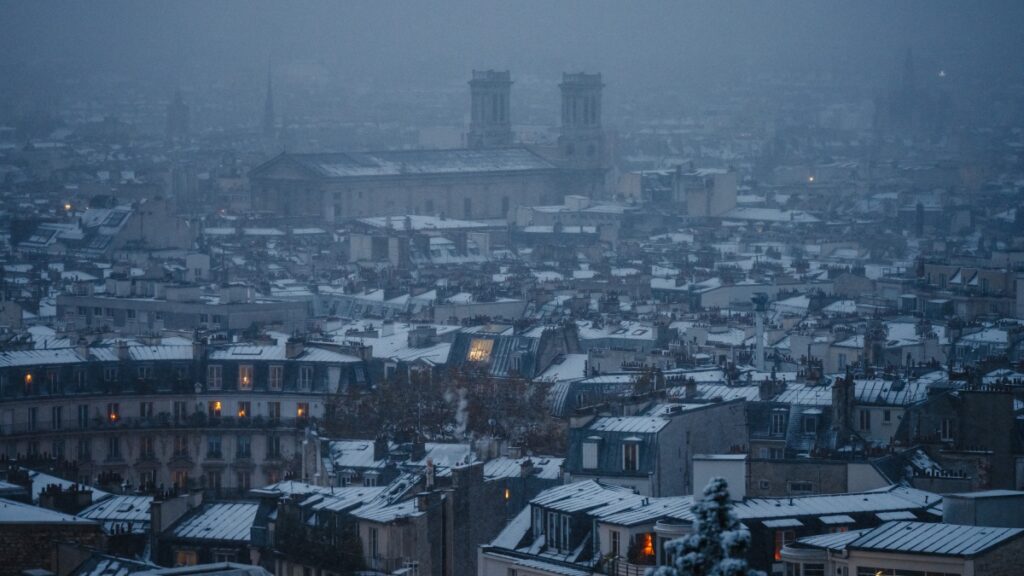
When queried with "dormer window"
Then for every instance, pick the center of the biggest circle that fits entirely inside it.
(631, 455)
(947, 430)
(245, 377)
(305, 377)
(480, 350)
(558, 533)
(214, 376)
(276, 377)
(590, 452)
(810, 424)
(778, 423)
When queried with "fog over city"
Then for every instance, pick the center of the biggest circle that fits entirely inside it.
(511, 288)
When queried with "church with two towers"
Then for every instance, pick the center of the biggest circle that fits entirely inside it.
(485, 180)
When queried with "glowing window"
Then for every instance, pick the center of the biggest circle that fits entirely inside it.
(480, 350)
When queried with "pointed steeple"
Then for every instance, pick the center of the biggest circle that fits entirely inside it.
(268, 108)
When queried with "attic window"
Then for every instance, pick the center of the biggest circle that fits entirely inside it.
(590, 448)
(810, 424)
(480, 350)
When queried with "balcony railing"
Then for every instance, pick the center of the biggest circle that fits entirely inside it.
(160, 421)
(622, 567)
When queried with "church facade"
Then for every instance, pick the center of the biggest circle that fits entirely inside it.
(487, 180)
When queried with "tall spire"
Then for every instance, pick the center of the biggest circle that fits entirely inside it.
(268, 108)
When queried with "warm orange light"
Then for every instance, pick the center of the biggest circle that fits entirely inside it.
(301, 412)
(245, 379)
(216, 405)
(508, 494)
(28, 378)
(113, 416)
(67, 206)
(648, 549)
(241, 412)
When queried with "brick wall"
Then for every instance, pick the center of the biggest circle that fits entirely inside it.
(26, 546)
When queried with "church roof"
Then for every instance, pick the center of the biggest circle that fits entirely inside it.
(394, 163)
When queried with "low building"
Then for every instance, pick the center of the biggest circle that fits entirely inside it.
(910, 549)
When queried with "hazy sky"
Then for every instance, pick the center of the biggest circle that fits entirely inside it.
(428, 43)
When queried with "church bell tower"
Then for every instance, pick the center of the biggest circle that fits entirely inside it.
(490, 125)
(581, 142)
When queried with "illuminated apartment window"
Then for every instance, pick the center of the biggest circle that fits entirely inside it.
(302, 411)
(782, 537)
(215, 408)
(113, 412)
(245, 377)
(646, 541)
(480, 350)
(244, 409)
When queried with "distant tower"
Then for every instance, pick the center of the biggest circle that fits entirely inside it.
(268, 110)
(177, 118)
(760, 309)
(581, 143)
(490, 125)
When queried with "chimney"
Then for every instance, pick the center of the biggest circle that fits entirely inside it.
(198, 348)
(82, 347)
(380, 448)
(843, 395)
(690, 389)
(526, 468)
(431, 475)
(419, 450)
(294, 347)
(123, 354)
